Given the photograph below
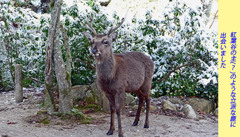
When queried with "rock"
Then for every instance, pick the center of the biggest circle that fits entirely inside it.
(79, 92)
(167, 105)
(105, 103)
(98, 92)
(189, 111)
(94, 95)
(90, 97)
(199, 104)
(152, 108)
(128, 99)
(176, 101)
(215, 113)
(135, 107)
(99, 97)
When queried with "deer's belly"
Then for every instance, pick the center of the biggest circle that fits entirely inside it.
(134, 85)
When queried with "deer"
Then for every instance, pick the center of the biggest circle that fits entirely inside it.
(120, 73)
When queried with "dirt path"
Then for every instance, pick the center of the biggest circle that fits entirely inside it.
(12, 124)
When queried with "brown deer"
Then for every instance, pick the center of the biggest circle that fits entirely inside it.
(120, 73)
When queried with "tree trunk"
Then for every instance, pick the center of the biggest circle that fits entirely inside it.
(63, 77)
(49, 91)
(54, 56)
(18, 83)
(68, 54)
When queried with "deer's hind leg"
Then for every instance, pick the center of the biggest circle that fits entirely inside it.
(140, 104)
(146, 93)
(147, 99)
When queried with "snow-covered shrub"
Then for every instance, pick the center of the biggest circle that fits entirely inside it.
(184, 52)
(20, 40)
(187, 47)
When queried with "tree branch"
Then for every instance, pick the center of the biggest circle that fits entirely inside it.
(125, 46)
(170, 72)
(214, 19)
(89, 64)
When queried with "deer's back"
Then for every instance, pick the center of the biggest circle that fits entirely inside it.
(132, 70)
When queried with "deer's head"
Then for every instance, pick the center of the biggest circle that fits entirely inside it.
(101, 43)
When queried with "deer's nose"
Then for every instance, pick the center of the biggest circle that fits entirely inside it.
(95, 50)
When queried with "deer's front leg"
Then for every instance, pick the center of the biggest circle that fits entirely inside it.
(119, 100)
(111, 100)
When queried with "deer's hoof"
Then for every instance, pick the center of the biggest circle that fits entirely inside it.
(135, 124)
(110, 132)
(120, 135)
(146, 126)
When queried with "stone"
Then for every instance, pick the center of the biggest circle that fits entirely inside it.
(99, 97)
(128, 99)
(89, 97)
(189, 111)
(97, 91)
(215, 113)
(92, 97)
(94, 94)
(167, 105)
(152, 108)
(135, 107)
(79, 92)
(106, 107)
(200, 104)
(176, 101)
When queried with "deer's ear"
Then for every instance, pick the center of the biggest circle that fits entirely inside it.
(89, 36)
(113, 36)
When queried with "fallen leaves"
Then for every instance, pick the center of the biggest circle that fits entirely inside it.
(9, 123)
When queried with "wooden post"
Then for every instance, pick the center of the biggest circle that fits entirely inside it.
(18, 83)
(1, 85)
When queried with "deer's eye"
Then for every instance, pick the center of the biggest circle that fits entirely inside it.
(105, 42)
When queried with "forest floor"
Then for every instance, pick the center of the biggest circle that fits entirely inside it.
(14, 122)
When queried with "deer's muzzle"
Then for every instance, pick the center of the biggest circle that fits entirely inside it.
(95, 50)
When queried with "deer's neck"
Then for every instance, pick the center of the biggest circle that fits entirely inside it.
(106, 69)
